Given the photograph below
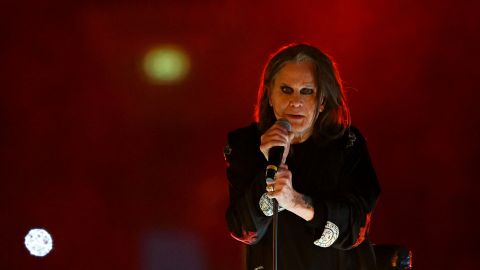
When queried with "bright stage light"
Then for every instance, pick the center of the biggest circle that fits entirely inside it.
(166, 65)
(38, 242)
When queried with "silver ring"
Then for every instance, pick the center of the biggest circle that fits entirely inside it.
(270, 188)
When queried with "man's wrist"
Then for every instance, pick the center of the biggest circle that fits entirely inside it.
(303, 207)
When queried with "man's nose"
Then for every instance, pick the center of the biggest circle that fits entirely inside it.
(296, 100)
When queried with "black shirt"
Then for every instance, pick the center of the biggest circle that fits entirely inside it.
(339, 178)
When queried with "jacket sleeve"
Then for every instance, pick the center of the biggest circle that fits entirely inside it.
(245, 173)
(344, 216)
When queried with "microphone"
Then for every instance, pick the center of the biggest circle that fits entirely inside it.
(275, 154)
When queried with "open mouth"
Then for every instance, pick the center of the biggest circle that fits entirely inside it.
(295, 116)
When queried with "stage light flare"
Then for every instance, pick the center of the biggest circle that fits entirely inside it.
(39, 242)
(166, 64)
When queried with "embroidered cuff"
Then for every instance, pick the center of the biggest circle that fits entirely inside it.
(329, 235)
(266, 205)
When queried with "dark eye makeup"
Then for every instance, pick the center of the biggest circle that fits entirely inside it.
(286, 89)
(304, 91)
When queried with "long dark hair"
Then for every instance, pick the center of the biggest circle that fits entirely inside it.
(334, 119)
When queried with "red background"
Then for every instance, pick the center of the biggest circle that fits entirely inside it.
(115, 167)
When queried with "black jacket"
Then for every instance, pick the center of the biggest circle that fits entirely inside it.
(339, 178)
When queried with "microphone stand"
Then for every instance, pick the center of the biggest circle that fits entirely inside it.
(275, 232)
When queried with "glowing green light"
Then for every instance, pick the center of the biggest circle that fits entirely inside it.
(166, 65)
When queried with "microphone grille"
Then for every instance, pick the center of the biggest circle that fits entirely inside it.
(284, 123)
